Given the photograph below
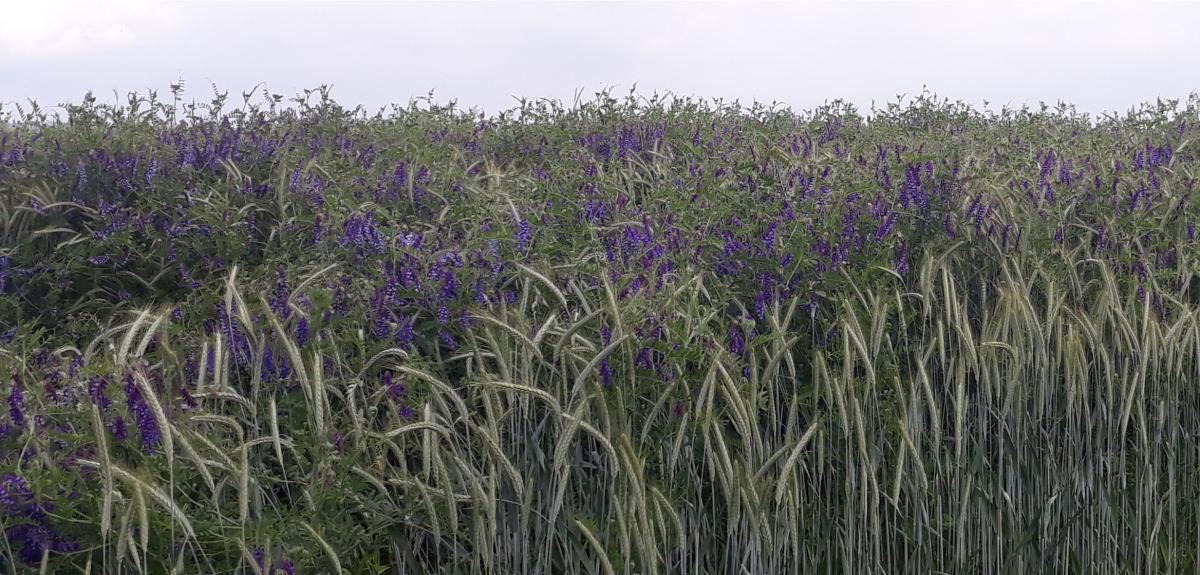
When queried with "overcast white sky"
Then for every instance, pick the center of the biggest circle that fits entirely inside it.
(1098, 56)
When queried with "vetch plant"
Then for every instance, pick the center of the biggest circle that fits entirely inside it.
(651, 335)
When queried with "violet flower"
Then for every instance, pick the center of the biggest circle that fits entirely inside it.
(16, 402)
(524, 235)
(302, 332)
(143, 416)
(737, 342)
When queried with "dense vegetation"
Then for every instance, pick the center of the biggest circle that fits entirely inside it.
(632, 336)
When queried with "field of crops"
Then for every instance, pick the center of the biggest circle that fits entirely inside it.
(635, 335)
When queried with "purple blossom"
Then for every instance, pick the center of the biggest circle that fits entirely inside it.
(768, 237)
(447, 339)
(16, 402)
(317, 228)
(605, 373)
(294, 181)
(404, 335)
(644, 359)
(1047, 165)
(188, 400)
(395, 388)
(595, 212)
(761, 302)
(886, 228)
(81, 177)
(268, 364)
(450, 285)
(380, 316)
(480, 294)
(118, 428)
(828, 337)
(1134, 197)
(302, 331)
(17, 499)
(279, 304)
(913, 190)
(362, 233)
(28, 524)
(143, 416)
(98, 392)
(737, 342)
(76, 363)
(239, 345)
(285, 367)
(524, 235)
(787, 214)
(409, 239)
(152, 171)
(34, 539)
(400, 175)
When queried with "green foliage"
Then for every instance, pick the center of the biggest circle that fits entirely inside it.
(637, 336)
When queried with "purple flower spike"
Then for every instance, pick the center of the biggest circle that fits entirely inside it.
(886, 228)
(29, 530)
(142, 415)
(737, 343)
(279, 304)
(118, 429)
(302, 332)
(524, 235)
(16, 402)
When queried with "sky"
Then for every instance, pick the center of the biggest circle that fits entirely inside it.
(1100, 57)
